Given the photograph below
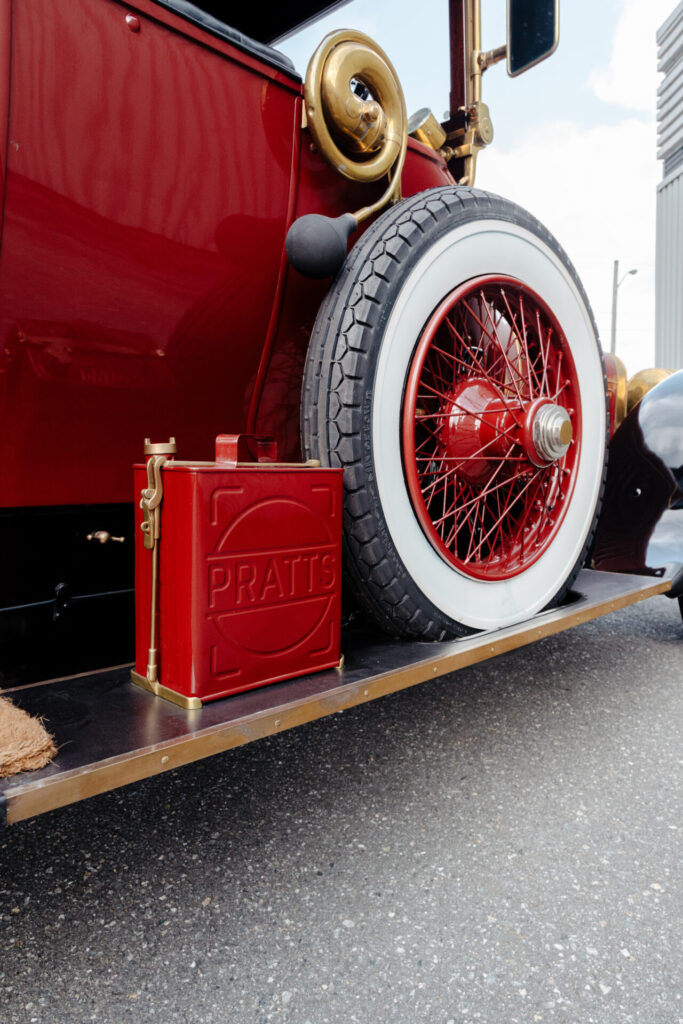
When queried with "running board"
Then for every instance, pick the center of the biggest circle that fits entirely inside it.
(111, 733)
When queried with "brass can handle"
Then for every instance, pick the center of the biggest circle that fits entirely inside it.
(104, 537)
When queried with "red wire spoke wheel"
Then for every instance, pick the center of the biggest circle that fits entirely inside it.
(454, 372)
(491, 428)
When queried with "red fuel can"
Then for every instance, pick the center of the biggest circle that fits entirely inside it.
(247, 585)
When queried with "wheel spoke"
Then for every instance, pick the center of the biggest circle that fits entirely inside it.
(522, 337)
(511, 367)
(525, 344)
(512, 500)
(544, 353)
(493, 340)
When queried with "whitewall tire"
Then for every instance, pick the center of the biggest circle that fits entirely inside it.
(454, 372)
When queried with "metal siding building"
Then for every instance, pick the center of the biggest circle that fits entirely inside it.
(669, 258)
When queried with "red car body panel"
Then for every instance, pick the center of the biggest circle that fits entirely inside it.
(152, 172)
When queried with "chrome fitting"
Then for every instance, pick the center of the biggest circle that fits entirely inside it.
(552, 432)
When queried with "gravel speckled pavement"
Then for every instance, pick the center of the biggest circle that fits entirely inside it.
(501, 845)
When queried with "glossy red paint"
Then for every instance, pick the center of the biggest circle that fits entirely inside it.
(490, 358)
(424, 168)
(140, 251)
(250, 575)
(5, 38)
(151, 178)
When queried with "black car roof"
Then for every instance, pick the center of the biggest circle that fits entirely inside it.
(268, 23)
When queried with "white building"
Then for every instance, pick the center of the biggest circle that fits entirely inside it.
(669, 258)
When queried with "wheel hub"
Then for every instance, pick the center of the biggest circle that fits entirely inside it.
(480, 428)
(477, 428)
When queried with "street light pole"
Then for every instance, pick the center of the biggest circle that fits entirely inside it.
(615, 288)
(613, 340)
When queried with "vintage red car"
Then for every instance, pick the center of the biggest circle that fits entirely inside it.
(198, 242)
(155, 160)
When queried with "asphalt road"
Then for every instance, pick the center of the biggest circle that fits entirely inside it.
(501, 845)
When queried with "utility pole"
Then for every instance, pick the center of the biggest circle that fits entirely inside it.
(615, 288)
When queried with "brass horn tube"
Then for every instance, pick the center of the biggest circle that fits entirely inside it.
(344, 124)
(393, 192)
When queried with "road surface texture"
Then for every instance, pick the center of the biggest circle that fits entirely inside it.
(500, 845)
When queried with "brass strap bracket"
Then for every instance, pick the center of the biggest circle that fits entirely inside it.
(150, 503)
(151, 498)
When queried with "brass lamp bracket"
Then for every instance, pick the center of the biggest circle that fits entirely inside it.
(466, 143)
(151, 498)
(487, 58)
(150, 501)
(463, 143)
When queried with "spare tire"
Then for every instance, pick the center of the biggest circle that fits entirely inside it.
(454, 372)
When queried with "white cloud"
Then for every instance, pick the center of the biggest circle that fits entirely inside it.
(630, 78)
(594, 189)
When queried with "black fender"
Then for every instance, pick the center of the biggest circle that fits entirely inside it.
(641, 524)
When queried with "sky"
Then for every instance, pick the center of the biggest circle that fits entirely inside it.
(575, 137)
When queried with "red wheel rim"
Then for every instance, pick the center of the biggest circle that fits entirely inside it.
(491, 366)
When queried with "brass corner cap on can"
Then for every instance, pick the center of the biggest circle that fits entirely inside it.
(160, 447)
(181, 699)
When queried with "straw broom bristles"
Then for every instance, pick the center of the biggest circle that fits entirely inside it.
(25, 744)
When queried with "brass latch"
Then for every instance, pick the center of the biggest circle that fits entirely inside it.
(150, 501)
(151, 496)
(104, 537)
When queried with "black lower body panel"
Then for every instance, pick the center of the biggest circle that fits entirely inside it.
(66, 601)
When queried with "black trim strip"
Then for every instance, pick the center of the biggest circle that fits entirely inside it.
(77, 597)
